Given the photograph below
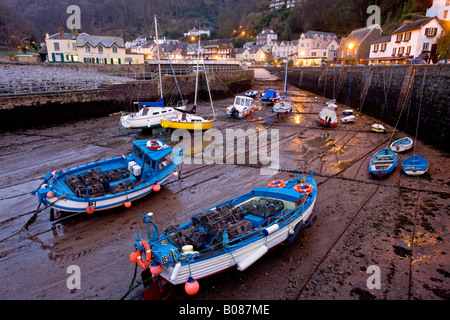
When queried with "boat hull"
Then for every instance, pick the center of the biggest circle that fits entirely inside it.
(383, 162)
(231, 259)
(402, 145)
(415, 166)
(186, 125)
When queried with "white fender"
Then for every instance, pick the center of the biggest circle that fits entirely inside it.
(255, 255)
(175, 271)
(271, 229)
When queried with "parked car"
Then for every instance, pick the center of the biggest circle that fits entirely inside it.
(444, 61)
(415, 61)
(377, 64)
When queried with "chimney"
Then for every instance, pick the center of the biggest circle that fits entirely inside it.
(121, 34)
(61, 32)
(406, 21)
(76, 32)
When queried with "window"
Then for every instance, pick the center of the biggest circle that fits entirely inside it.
(56, 45)
(324, 54)
(114, 49)
(430, 32)
(426, 46)
(88, 48)
(74, 46)
(383, 47)
(407, 37)
(375, 47)
(394, 51)
(399, 37)
(100, 49)
(401, 51)
(445, 14)
(408, 50)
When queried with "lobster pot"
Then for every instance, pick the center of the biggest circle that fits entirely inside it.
(125, 185)
(76, 185)
(93, 177)
(117, 174)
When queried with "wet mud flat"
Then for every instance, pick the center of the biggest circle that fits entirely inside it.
(399, 224)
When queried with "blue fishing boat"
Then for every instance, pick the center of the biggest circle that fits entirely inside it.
(415, 165)
(108, 183)
(270, 97)
(383, 162)
(402, 144)
(232, 234)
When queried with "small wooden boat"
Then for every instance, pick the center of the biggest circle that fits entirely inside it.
(109, 183)
(235, 233)
(251, 94)
(270, 97)
(347, 112)
(348, 119)
(402, 144)
(241, 107)
(415, 165)
(377, 127)
(383, 162)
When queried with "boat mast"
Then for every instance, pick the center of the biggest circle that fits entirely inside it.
(285, 78)
(157, 54)
(196, 76)
(209, 90)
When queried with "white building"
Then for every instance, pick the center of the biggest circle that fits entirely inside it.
(279, 4)
(440, 9)
(266, 38)
(417, 39)
(315, 47)
(283, 49)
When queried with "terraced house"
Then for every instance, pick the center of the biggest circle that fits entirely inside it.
(84, 48)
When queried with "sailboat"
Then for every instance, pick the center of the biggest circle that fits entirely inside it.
(284, 105)
(186, 119)
(151, 113)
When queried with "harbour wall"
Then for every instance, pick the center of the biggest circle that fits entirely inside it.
(389, 93)
(42, 109)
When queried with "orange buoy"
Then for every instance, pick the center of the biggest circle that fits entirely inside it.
(304, 188)
(155, 268)
(50, 194)
(156, 187)
(44, 186)
(133, 257)
(277, 184)
(90, 209)
(148, 255)
(127, 204)
(191, 287)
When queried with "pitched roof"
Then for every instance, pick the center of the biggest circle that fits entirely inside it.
(67, 36)
(358, 35)
(310, 34)
(105, 41)
(411, 26)
(382, 39)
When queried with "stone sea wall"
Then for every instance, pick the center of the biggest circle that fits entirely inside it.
(390, 93)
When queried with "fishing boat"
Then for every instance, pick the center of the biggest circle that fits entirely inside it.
(109, 183)
(284, 105)
(348, 119)
(270, 97)
(415, 165)
(186, 119)
(150, 114)
(241, 107)
(383, 162)
(327, 116)
(377, 127)
(401, 145)
(251, 94)
(232, 234)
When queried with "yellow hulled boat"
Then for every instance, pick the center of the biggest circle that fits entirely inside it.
(189, 122)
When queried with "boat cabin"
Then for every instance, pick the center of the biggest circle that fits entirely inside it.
(242, 102)
(148, 158)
